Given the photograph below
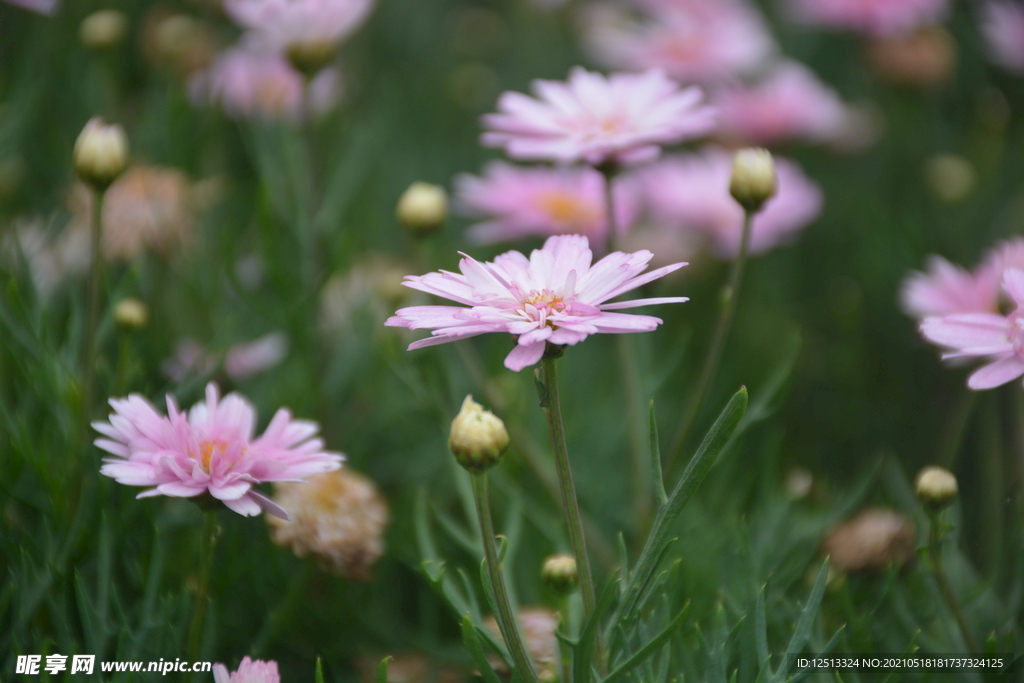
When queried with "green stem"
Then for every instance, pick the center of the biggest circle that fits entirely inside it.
(721, 335)
(93, 314)
(945, 587)
(507, 621)
(570, 507)
(206, 552)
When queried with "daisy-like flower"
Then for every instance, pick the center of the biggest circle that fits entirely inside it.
(622, 118)
(249, 671)
(1002, 25)
(286, 23)
(877, 18)
(46, 7)
(999, 339)
(518, 202)
(210, 449)
(946, 289)
(556, 296)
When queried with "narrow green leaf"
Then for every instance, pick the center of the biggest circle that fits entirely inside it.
(382, 670)
(761, 629)
(583, 653)
(649, 649)
(623, 563)
(656, 476)
(803, 625)
(829, 646)
(476, 651)
(319, 678)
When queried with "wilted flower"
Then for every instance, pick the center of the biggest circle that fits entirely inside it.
(422, 208)
(51, 257)
(209, 450)
(338, 518)
(936, 487)
(1002, 25)
(873, 17)
(946, 288)
(871, 541)
(538, 628)
(373, 285)
(519, 202)
(622, 118)
(249, 671)
(180, 42)
(923, 59)
(286, 23)
(556, 296)
(690, 194)
(101, 153)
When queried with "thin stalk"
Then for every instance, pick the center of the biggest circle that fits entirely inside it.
(945, 587)
(507, 621)
(206, 552)
(721, 335)
(93, 314)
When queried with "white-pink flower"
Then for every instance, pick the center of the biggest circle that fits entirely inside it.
(1002, 25)
(945, 289)
(284, 23)
(517, 202)
(999, 339)
(47, 7)
(622, 118)
(877, 18)
(556, 296)
(249, 671)
(211, 449)
(690, 194)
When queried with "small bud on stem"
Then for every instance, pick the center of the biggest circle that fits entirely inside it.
(423, 208)
(936, 487)
(478, 437)
(101, 153)
(753, 178)
(560, 573)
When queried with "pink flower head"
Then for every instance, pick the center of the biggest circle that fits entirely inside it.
(999, 339)
(519, 202)
(877, 18)
(1002, 25)
(290, 22)
(249, 671)
(210, 449)
(47, 7)
(555, 296)
(699, 41)
(946, 289)
(690, 193)
(790, 103)
(622, 118)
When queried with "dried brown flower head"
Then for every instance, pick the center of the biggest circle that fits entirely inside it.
(872, 540)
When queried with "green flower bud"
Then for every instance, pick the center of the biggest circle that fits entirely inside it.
(753, 179)
(560, 573)
(423, 208)
(936, 487)
(478, 437)
(101, 153)
(131, 314)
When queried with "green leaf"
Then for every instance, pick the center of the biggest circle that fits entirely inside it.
(476, 651)
(761, 630)
(319, 677)
(649, 649)
(583, 653)
(382, 670)
(656, 476)
(810, 610)
(829, 646)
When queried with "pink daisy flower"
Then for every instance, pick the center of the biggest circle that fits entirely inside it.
(877, 18)
(945, 289)
(690, 194)
(556, 296)
(290, 22)
(209, 450)
(999, 339)
(1002, 25)
(519, 202)
(249, 671)
(622, 118)
(47, 7)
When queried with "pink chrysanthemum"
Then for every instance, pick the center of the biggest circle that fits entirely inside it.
(46, 7)
(555, 296)
(690, 194)
(622, 118)
(1002, 25)
(878, 18)
(945, 289)
(518, 202)
(249, 671)
(997, 338)
(284, 23)
(209, 450)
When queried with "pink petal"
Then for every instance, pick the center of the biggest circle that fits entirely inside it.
(997, 373)
(524, 356)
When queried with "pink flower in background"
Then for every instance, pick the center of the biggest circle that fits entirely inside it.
(1002, 25)
(790, 103)
(878, 18)
(999, 339)
(249, 671)
(622, 118)
(47, 7)
(289, 22)
(556, 296)
(690, 194)
(518, 202)
(946, 288)
(691, 40)
(243, 360)
(209, 450)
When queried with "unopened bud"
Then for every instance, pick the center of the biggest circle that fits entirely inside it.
(478, 437)
(103, 30)
(101, 153)
(423, 208)
(309, 56)
(936, 487)
(131, 314)
(560, 573)
(753, 179)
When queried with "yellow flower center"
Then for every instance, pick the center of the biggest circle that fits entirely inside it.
(568, 209)
(207, 449)
(545, 299)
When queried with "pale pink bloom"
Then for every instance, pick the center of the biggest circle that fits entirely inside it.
(621, 118)
(556, 296)
(790, 103)
(946, 288)
(699, 41)
(284, 23)
(878, 18)
(46, 7)
(210, 449)
(243, 360)
(690, 193)
(249, 671)
(519, 202)
(999, 339)
(1006, 254)
(1002, 25)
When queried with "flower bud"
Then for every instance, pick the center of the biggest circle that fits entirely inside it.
(936, 487)
(423, 208)
(309, 56)
(753, 179)
(560, 573)
(131, 314)
(101, 153)
(103, 30)
(478, 437)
